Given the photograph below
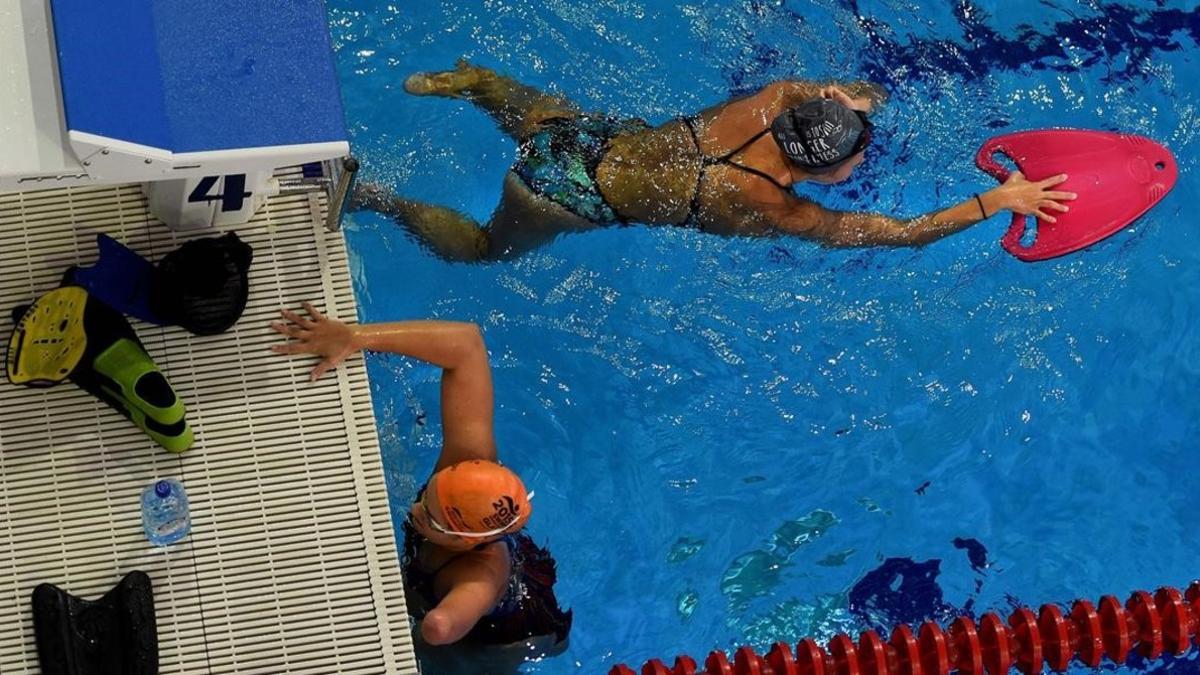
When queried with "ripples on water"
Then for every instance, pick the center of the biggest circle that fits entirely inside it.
(737, 441)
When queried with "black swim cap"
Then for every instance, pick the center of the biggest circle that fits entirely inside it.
(820, 134)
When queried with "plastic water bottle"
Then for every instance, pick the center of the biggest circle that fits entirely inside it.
(165, 512)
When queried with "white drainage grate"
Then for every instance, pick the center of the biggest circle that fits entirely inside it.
(291, 566)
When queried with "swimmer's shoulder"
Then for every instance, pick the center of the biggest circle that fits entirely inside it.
(746, 204)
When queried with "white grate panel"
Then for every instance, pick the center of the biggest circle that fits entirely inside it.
(291, 566)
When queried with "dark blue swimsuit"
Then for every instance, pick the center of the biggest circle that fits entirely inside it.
(528, 609)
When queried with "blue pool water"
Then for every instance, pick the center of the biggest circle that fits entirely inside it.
(736, 441)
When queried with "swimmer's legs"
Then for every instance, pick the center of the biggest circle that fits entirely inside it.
(521, 223)
(517, 108)
(451, 235)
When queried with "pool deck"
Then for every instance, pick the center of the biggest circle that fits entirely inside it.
(291, 565)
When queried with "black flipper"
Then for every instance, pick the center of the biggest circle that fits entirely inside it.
(115, 635)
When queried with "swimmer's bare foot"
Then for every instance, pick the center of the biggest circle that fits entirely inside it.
(372, 197)
(451, 83)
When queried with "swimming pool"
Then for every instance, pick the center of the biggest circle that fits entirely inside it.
(730, 438)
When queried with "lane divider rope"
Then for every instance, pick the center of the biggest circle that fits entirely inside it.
(1166, 622)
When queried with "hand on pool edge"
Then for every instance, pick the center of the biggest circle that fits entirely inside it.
(329, 339)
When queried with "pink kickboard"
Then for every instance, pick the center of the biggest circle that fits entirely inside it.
(1118, 177)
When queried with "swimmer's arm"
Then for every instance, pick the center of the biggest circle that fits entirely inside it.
(872, 94)
(849, 228)
(457, 348)
(864, 95)
(467, 398)
(732, 118)
(845, 228)
(470, 587)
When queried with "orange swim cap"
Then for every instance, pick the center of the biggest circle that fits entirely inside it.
(481, 496)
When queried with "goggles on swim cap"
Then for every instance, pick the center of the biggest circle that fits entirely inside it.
(437, 527)
(478, 499)
(819, 134)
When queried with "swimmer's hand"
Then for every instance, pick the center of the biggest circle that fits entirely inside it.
(862, 104)
(1030, 197)
(329, 339)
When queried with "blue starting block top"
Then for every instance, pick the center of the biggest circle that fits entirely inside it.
(199, 76)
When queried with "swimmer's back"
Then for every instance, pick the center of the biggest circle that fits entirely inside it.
(719, 171)
(649, 177)
(734, 202)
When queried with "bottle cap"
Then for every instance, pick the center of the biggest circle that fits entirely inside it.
(162, 488)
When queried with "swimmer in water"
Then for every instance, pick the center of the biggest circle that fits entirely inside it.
(471, 573)
(727, 170)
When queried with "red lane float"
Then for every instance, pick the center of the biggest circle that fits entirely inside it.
(1165, 622)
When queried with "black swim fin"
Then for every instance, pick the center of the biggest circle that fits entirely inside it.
(115, 635)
